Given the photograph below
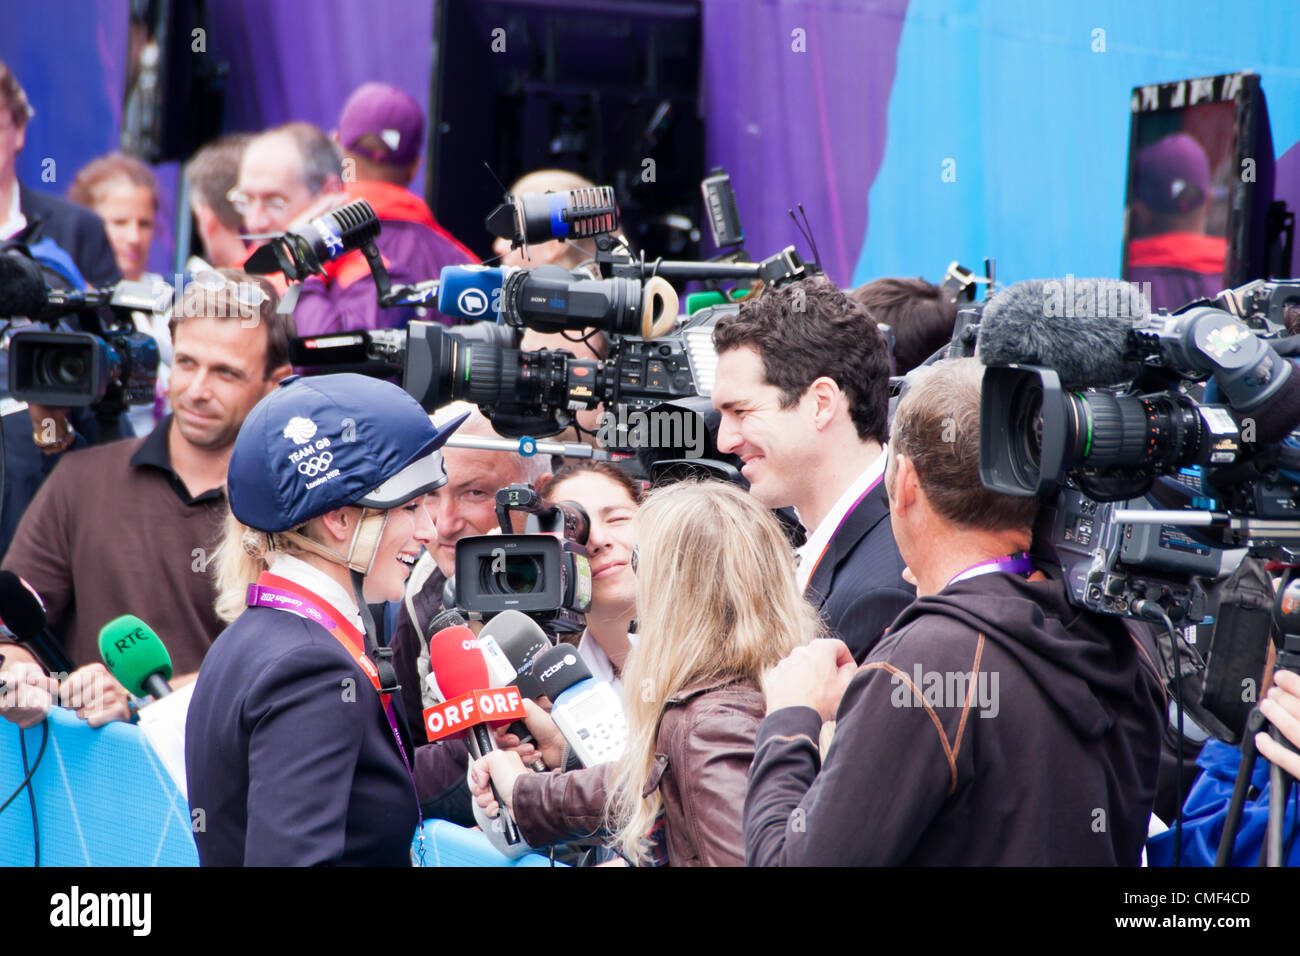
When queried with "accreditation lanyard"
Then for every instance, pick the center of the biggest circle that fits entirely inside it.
(1018, 563)
(279, 593)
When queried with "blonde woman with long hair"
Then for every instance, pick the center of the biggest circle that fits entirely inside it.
(717, 605)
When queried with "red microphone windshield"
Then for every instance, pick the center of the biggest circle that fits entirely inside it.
(456, 662)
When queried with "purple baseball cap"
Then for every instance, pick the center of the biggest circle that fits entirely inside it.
(1173, 175)
(384, 111)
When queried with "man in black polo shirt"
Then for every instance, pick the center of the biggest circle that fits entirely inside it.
(130, 527)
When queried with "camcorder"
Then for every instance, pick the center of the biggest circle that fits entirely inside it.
(1164, 451)
(543, 572)
(108, 365)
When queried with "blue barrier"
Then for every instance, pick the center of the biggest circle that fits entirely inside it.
(446, 844)
(102, 798)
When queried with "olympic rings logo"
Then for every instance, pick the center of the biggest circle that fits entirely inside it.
(314, 466)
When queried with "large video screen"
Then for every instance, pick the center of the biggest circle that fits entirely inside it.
(1197, 165)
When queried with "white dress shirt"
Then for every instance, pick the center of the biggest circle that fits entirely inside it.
(821, 536)
(598, 662)
(14, 221)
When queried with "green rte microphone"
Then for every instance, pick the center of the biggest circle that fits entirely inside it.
(135, 655)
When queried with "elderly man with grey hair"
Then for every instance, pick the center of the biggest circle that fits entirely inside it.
(288, 175)
(465, 505)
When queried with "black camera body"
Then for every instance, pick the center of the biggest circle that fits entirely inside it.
(543, 572)
(1149, 486)
(72, 369)
(1109, 566)
(654, 356)
(108, 364)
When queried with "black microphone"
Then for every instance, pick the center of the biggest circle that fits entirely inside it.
(446, 618)
(23, 613)
(23, 290)
(21, 609)
(304, 251)
(511, 642)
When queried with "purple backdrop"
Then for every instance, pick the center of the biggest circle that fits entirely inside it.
(822, 148)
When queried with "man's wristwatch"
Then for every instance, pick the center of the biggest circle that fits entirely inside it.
(58, 444)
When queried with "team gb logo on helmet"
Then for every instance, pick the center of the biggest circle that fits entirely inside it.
(300, 430)
(312, 459)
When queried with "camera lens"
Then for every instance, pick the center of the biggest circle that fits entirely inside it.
(517, 574)
(1026, 433)
(64, 367)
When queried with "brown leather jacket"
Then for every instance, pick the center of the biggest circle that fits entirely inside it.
(702, 757)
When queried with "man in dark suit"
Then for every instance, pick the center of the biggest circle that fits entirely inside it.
(27, 216)
(803, 387)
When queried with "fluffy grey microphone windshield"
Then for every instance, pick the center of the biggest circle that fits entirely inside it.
(1078, 327)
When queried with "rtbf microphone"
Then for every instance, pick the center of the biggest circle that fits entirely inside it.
(588, 712)
(134, 655)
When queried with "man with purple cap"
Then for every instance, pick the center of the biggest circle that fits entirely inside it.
(1167, 217)
(380, 131)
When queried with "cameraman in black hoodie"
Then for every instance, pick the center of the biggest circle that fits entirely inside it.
(994, 723)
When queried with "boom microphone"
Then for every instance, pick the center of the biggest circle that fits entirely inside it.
(1056, 323)
(134, 655)
(552, 299)
(529, 218)
(22, 287)
(304, 251)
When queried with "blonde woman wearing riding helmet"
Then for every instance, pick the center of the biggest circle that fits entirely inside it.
(295, 751)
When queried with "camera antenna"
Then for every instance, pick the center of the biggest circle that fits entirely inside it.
(495, 179)
(806, 233)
